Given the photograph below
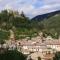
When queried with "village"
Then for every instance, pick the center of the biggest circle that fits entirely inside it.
(39, 46)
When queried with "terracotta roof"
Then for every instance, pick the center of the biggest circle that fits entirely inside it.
(48, 56)
(39, 43)
(52, 42)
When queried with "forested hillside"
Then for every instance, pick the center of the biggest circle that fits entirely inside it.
(52, 25)
(49, 25)
(23, 27)
(20, 24)
(45, 16)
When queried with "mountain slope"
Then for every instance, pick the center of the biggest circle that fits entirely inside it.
(48, 23)
(45, 16)
(52, 25)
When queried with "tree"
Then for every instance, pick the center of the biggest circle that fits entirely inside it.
(39, 58)
(4, 35)
(22, 14)
(57, 56)
(12, 55)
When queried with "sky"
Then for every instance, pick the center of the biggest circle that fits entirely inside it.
(31, 7)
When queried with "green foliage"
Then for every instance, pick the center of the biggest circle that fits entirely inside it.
(39, 58)
(24, 27)
(23, 33)
(19, 23)
(52, 26)
(57, 56)
(4, 35)
(12, 55)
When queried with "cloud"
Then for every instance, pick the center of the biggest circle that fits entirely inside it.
(46, 9)
(31, 7)
(8, 6)
(0, 0)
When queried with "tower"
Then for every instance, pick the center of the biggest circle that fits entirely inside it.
(12, 37)
(42, 37)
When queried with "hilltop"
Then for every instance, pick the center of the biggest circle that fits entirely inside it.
(17, 22)
(45, 16)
